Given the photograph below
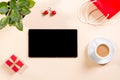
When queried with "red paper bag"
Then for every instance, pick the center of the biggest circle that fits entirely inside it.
(108, 7)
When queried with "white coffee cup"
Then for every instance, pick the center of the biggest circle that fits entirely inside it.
(102, 51)
(95, 55)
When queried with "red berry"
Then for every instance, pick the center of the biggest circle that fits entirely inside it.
(45, 12)
(53, 13)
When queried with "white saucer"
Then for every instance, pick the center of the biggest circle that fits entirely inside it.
(92, 53)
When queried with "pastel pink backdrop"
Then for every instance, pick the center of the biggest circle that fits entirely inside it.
(15, 42)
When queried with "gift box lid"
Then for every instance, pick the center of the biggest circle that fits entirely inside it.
(14, 63)
(110, 7)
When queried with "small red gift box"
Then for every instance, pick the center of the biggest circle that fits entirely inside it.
(108, 7)
(14, 63)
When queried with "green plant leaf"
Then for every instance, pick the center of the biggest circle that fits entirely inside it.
(19, 25)
(13, 4)
(3, 8)
(15, 16)
(31, 3)
(22, 3)
(3, 22)
(25, 11)
(11, 23)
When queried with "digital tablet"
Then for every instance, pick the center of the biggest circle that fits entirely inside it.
(52, 43)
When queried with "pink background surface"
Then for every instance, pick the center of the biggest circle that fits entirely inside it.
(15, 42)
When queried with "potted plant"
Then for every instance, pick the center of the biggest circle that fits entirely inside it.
(14, 11)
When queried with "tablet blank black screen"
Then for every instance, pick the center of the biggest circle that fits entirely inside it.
(52, 43)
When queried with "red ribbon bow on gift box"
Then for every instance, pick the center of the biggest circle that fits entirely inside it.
(108, 7)
(14, 63)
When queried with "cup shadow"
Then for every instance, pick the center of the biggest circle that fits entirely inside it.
(89, 64)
